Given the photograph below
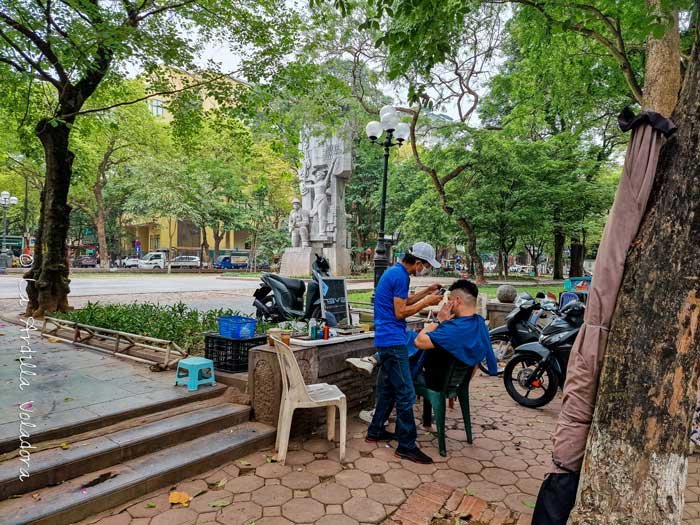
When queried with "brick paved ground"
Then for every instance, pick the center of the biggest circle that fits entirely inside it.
(504, 468)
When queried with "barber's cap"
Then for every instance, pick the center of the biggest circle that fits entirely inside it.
(424, 251)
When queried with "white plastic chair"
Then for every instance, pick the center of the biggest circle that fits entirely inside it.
(297, 394)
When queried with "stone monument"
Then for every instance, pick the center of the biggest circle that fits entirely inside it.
(326, 169)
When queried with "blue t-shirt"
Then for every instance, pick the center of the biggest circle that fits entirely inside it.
(388, 330)
(467, 339)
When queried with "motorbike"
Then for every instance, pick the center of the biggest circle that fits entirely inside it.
(538, 369)
(281, 299)
(521, 327)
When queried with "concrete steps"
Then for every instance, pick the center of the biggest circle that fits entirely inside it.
(54, 466)
(99, 490)
(61, 428)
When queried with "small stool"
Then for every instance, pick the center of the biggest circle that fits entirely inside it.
(194, 371)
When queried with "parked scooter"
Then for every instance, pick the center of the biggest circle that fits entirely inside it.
(282, 299)
(521, 327)
(537, 369)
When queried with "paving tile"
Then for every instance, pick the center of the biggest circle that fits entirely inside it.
(272, 495)
(354, 479)
(324, 468)
(244, 484)
(520, 502)
(351, 455)
(330, 493)
(364, 510)
(175, 517)
(337, 520)
(298, 457)
(272, 511)
(240, 513)
(119, 519)
(499, 476)
(465, 465)
(386, 494)
(272, 470)
(150, 507)
(372, 465)
(318, 445)
(202, 503)
(300, 480)
(402, 479)
(486, 490)
(303, 510)
(453, 478)
(273, 520)
(529, 486)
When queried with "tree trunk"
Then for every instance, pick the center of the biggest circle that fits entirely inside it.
(218, 236)
(100, 220)
(205, 245)
(559, 241)
(476, 262)
(636, 459)
(577, 255)
(662, 76)
(47, 281)
(499, 263)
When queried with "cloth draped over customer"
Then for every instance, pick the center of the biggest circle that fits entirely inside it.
(649, 131)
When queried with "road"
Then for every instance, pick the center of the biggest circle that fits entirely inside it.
(201, 291)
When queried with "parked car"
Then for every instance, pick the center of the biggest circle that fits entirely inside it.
(153, 261)
(228, 262)
(130, 262)
(185, 261)
(85, 261)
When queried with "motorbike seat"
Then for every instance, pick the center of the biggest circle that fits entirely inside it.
(295, 286)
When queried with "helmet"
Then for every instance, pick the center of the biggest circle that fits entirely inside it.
(573, 312)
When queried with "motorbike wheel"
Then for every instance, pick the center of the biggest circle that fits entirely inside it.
(503, 349)
(516, 379)
(316, 313)
(260, 314)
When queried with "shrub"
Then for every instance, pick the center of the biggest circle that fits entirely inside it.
(178, 322)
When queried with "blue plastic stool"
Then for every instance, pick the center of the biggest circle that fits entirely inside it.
(195, 371)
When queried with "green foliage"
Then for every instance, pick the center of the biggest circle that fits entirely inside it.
(178, 322)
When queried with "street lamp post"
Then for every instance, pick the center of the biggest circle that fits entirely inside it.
(396, 133)
(6, 200)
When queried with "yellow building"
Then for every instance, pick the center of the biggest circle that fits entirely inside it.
(181, 237)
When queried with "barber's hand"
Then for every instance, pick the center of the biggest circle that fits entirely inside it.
(434, 287)
(433, 299)
(445, 313)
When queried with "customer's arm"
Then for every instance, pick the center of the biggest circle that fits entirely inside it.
(423, 341)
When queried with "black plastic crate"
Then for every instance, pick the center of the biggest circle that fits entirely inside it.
(230, 355)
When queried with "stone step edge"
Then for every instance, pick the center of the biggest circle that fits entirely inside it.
(8, 445)
(186, 460)
(98, 453)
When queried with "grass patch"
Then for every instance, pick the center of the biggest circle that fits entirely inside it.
(364, 296)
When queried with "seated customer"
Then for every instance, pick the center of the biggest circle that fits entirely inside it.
(461, 334)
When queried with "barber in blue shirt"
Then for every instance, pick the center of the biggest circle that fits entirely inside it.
(392, 305)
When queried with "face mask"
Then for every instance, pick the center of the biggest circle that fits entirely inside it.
(424, 271)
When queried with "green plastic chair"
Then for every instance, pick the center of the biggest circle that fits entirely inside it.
(456, 385)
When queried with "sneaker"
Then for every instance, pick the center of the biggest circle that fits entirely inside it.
(414, 455)
(362, 365)
(384, 435)
(366, 415)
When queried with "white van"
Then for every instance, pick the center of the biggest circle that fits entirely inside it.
(153, 260)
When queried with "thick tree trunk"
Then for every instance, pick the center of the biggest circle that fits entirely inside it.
(476, 262)
(218, 237)
(47, 281)
(577, 255)
(205, 245)
(635, 466)
(559, 241)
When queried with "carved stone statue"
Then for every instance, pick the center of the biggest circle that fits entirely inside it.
(320, 223)
(299, 225)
